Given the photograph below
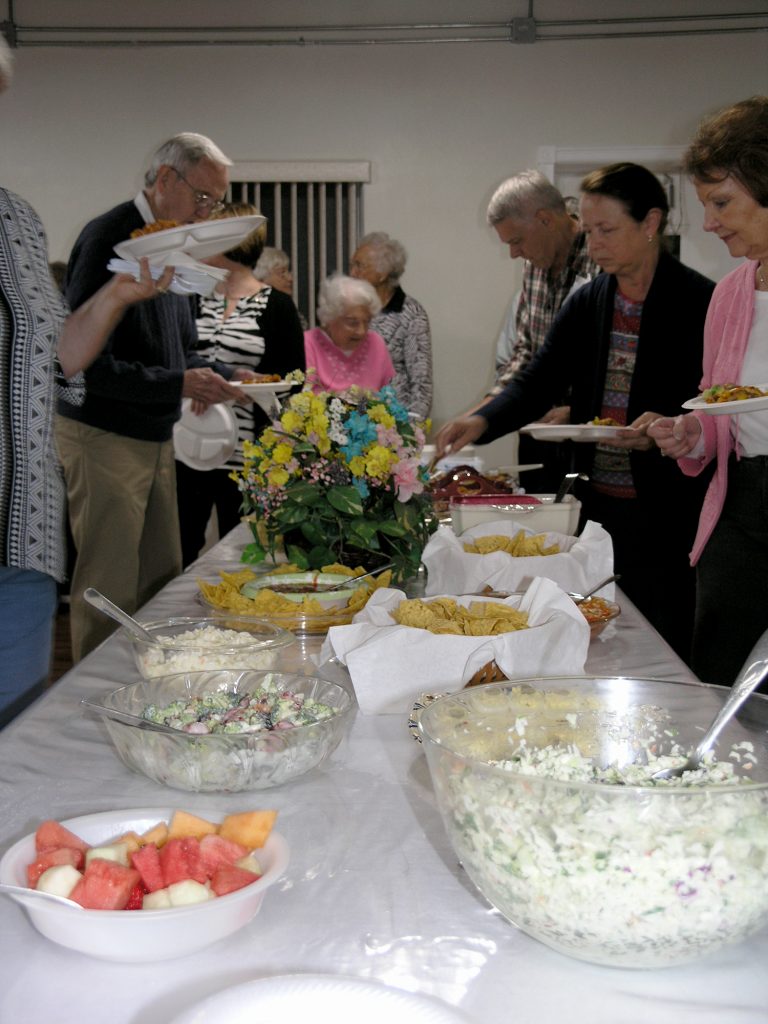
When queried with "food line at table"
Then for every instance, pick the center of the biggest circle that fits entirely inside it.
(378, 759)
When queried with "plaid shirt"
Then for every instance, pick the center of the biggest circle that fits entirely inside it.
(541, 299)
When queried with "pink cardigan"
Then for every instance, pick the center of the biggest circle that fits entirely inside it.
(726, 332)
(368, 367)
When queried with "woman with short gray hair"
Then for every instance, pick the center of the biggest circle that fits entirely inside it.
(343, 352)
(402, 322)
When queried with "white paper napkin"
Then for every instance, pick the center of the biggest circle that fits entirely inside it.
(391, 664)
(190, 277)
(581, 563)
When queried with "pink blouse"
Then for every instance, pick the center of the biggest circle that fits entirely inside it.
(368, 366)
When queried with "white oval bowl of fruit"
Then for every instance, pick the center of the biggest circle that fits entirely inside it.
(154, 883)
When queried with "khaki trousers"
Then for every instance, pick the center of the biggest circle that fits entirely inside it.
(124, 520)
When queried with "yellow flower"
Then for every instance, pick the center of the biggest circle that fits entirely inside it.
(283, 453)
(277, 477)
(357, 465)
(380, 414)
(378, 462)
(291, 421)
(268, 438)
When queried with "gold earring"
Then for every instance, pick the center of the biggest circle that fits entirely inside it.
(650, 239)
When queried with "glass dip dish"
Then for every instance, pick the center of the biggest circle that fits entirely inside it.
(614, 873)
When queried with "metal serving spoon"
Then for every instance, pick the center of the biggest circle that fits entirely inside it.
(753, 672)
(97, 599)
(37, 894)
(578, 598)
(353, 579)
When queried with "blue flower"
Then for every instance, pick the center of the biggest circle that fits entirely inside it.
(360, 431)
(362, 487)
(387, 395)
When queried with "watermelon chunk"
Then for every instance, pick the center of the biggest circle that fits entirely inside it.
(180, 859)
(53, 836)
(229, 878)
(136, 897)
(51, 859)
(106, 885)
(217, 851)
(147, 863)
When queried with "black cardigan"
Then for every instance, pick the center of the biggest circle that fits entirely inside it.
(575, 355)
(133, 387)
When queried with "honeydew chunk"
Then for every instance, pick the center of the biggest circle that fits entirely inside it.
(249, 863)
(157, 900)
(118, 852)
(182, 894)
(59, 880)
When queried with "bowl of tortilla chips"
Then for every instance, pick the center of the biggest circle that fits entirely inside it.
(303, 612)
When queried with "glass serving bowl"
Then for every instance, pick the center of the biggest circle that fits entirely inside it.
(222, 762)
(222, 641)
(621, 875)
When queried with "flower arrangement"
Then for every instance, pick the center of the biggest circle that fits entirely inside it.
(338, 479)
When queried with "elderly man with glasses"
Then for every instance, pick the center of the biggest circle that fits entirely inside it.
(117, 448)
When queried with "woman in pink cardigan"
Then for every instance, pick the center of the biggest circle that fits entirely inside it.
(344, 353)
(728, 161)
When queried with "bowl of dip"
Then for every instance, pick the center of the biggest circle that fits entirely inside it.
(545, 792)
(297, 586)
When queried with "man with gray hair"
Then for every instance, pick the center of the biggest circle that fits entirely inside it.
(117, 448)
(531, 217)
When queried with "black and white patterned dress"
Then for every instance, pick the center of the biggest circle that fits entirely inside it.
(31, 316)
(263, 332)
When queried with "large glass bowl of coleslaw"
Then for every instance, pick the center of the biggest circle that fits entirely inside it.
(545, 791)
(226, 730)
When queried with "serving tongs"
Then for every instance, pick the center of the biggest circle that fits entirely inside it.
(128, 719)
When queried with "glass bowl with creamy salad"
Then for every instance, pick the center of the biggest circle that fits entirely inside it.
(226, 730)
(194, 644)
(546, 793)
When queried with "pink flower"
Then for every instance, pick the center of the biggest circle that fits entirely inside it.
(407, 481)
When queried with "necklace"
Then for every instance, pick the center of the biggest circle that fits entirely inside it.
(760, 278)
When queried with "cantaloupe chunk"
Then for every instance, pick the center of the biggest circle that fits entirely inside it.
(131, 839)
(188, 826)
(158, 835)
(250, 829)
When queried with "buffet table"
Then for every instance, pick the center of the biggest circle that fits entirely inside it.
(372, 890)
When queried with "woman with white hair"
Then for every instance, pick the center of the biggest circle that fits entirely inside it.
(343, 352)
(402, 322)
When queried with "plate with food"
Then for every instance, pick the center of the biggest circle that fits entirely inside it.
(597, 430)
(730, 399)
(264, 384)
(202, 239)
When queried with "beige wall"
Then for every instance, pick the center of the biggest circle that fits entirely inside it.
(441, 125)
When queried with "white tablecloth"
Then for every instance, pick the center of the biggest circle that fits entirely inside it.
(373, 889)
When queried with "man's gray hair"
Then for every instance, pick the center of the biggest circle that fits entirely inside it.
(339, 292)
(520, 196)
(389, 255)
(184, 151)
(270, 261)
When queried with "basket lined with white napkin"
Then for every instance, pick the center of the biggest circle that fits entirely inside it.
(391, 664)
(581, 562)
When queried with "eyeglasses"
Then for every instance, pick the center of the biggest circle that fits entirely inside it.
(203, 200)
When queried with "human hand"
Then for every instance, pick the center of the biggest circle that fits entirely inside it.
(127, 291)
(558, 415)
(206, 387)
(676, 436)
(634, 436)
(453, 436)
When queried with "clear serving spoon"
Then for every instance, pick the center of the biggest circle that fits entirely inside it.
(97, 599)
(353, 579)
(578, 598)
(753, 672)
(37, 894)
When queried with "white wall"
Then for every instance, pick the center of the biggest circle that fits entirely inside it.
(442, 125)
